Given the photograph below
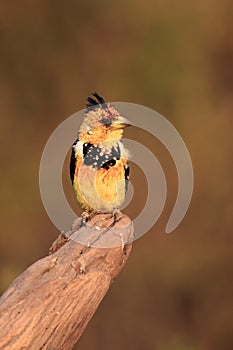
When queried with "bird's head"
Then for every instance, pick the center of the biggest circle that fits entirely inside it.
(102, 122)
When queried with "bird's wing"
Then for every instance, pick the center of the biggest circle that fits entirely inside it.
(127, 171)
(73, 161)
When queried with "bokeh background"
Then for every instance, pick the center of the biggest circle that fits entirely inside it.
(176, 291)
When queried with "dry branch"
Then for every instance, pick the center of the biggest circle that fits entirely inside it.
(49, 305)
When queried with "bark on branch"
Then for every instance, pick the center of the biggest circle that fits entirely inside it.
(49, 305)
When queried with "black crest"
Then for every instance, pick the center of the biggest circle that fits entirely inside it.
(93, 102)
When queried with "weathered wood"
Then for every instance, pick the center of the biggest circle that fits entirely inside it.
(49, 305)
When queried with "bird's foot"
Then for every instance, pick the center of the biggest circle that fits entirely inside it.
(85, 217)
(116, 215)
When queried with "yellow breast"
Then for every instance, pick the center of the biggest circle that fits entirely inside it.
(100, 189)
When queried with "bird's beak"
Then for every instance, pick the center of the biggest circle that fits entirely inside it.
(121, 123)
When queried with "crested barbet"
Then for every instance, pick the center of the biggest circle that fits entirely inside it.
(99, 167)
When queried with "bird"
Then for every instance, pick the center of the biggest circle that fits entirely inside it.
(99, 168)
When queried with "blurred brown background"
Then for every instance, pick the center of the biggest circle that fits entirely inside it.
(176, 291)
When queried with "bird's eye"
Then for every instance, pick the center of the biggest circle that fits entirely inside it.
(106, 121)
(90, 132)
